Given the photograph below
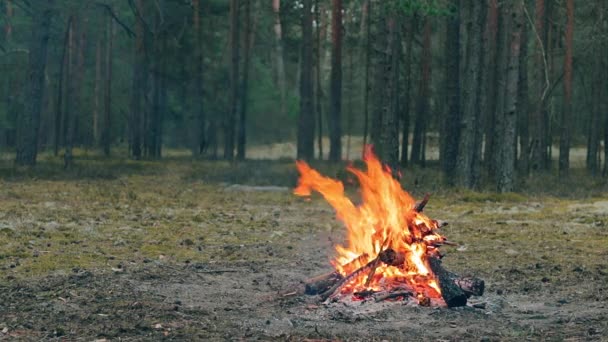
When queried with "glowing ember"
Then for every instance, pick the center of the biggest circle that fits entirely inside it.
(384, 226)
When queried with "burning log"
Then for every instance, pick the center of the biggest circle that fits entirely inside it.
(332, 292)
(322, 283)
(391, 257)
(452, 294)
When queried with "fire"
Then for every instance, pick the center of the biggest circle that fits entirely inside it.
(386, 220)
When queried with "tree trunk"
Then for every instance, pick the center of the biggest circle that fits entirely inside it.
(335, 106)
(451, 123)
(230, 122)
(487, 100)
(198, 139)
(306, 119)
(564, 141)
(366, 22)
(538, 124)
(138, 89)
(319, 89)
(467, 161)
(522, 102)
(278, 35)
(423, 102)
(72, 101)
(59, 111)
(247, 42)
(107, 117)
(405, 106)
(97, 91)
(387, 143)
(29, 123)
(507, 152)
(7, 82)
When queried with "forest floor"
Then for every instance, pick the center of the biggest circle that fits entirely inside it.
(175, 250)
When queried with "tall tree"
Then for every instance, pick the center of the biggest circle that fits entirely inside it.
(280, 63)
(230, 122)
(199, 139)
(565, 131)
(318, 87)
(366, 46)
(306, 119)
(507, 151)
(406, 92)
(487, 97)
(106, 138)
(423, 101)
(138, 86)
(467, 164)
(451, 123)
(242, 126)
(388, 146)
(523, 117)
(538, 122)
(335, 105)
(598, 93)
(76, 47)
(29, 123)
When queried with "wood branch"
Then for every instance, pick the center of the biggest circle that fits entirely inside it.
(452, 294)
(372, 271)
(419, 207)
(322, 283)
(335, 290)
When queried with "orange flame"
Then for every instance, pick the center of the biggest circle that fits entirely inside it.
(385, 219)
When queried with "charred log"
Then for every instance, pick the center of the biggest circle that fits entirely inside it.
(419, 207)
(391, 257)
(322, 283)
(470, 285)
(452, 294)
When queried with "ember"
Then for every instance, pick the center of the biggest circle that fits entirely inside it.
(392, 249)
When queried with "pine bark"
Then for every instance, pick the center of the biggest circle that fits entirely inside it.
(565, 131)
(423, 99)
(199, 122)
(61, 89)
(97, 90)
(487, 99)
(507, 151)
(247, 45)
(74, 89)
(335, 105)
(388, 149)
(522, 103)
(467, 164)
(106, 129)
(406, 93)
(138, 89)
(280, 63)
(28, 124)
(230, 122)
(538, 123)
(451, 122)
(366, 21)
(306, 119)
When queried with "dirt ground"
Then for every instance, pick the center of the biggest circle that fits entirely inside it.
(167, 255)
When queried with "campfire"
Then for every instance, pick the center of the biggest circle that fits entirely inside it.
(392, 249)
